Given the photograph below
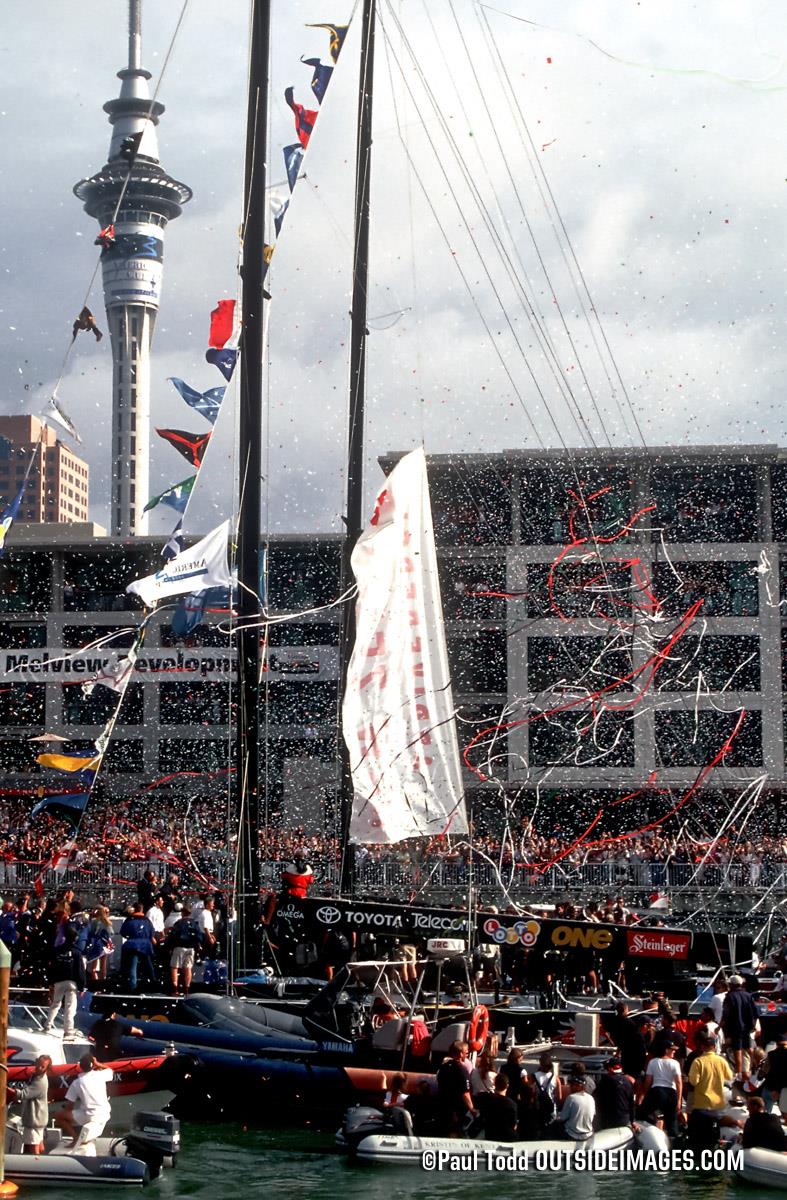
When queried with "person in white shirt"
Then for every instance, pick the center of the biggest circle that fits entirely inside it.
(716, 1003)
(155, 915)
(87, 1104)
(205, 921)
(173, 917)
(664, 1088)
(578, 1113)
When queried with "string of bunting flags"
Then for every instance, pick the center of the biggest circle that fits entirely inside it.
(305, 121)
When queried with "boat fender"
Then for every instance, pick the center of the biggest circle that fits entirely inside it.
(650, 1137)
(478, 1028)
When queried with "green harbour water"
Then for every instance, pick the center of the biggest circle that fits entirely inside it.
(228, 1162)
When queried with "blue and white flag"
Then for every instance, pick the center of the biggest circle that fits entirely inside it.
(224, 359)
(10, 513)
(176, 542)
(321, 77)
(293, 157)
(202, 566)
(206, 403)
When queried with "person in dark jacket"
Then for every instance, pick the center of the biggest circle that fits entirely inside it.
(776, 1073)
(500, 1113)
(67, 980)
(614, 1097)
(136, 955)
(739, 1019)
(763, 1130)
(147, 888)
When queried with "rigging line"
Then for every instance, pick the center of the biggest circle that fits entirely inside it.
(123, 190)
(486, 271)
(563, 387)
(554, 291)
(471, 294)
(580, 273)
(532, 301)
(539, 176)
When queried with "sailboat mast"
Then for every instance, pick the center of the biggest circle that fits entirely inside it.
(249, 636)
(358, 336)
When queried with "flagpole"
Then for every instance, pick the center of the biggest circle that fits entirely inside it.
(249, 636)
(355, 447)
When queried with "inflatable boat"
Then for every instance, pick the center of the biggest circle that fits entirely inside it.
(766, 1168)
(368, 1136)
(135, 1158)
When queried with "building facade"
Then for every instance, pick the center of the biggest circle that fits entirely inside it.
(614, 626)
(58, 486)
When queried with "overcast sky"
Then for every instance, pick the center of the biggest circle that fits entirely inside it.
(660, 129)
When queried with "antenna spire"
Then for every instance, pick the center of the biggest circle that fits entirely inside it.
(134, 35)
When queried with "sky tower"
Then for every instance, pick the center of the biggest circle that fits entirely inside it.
(132, 268)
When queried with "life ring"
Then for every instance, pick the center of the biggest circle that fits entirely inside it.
(478, 1028)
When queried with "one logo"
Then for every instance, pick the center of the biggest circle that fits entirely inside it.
(328, 915)
(523, 932)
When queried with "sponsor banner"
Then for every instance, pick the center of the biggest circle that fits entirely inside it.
(201, 566)
(657, 943)
(212, 665)
(398, 712)
(653, 950)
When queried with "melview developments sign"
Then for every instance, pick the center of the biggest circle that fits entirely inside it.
(69, 666)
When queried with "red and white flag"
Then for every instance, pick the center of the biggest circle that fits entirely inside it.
(398, 710)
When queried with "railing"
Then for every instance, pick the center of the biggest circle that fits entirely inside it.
(391, 878)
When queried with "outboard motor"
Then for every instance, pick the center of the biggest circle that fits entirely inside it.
(155, 1138)
(358, 1123)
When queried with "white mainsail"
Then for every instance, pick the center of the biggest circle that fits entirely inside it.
(398, 712)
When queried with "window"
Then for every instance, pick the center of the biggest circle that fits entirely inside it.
(575, 739)
(557, 507)
(584, 589)
(19, 756)
(706, 503)
(683, 740)
(204, 703)
(191, 754)
(201, 635)
(478, 661)
(77, 636)
(726, 589)
(471, 506)
(715, 663)
(302, 703)
(22, 704)
(98, 707)
(97, 582)
(21, 637)
(577, 664)
(316, 634)
(470, 588)
(25, 585)
(124, 756)
(301, 579)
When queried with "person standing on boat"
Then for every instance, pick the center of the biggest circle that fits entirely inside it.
(614, 1097)
(500, 1114)
(775, 1071)
(454, 1099)
(87, 1105)
(66, 980)
(136, 956)
(740, 1019)
(34, 1098)
(663, 1088)
(185, 938)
